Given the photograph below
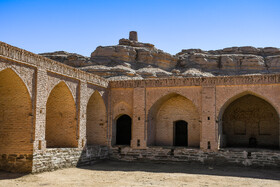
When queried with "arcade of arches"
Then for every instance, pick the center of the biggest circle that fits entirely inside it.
(46, 106)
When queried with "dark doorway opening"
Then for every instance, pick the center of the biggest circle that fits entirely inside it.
(123, 135)
(180, 133)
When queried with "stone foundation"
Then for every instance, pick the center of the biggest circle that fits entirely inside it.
(248, 157)
(21, 163)
(56, 158)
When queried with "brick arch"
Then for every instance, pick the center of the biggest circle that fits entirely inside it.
(16, 126)
(233, 98)
(22, 78)
(96, 126)
(248, 116)
(50, 89)
(162, 115)
(61, 118)
(120, 109)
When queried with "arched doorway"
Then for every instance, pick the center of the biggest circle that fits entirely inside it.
(61, 121)
(123, 130)
(96, 127)
(250, 121)
(16, 127)
(180, 133)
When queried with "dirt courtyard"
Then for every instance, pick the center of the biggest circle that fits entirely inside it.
(113, 173)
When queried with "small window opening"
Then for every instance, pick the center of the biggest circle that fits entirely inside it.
(40, 145)
(209, 145)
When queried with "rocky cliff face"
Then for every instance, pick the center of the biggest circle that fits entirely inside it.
(135, 60)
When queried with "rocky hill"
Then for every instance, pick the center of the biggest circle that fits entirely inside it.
(131, 59)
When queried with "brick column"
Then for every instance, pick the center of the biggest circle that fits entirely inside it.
(209, 127)
(40, 112)
(81, 113)
(138, 121)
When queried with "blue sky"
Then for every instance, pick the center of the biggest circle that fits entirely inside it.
(82, 25)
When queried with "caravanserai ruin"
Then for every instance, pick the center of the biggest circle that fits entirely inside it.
(134, 102)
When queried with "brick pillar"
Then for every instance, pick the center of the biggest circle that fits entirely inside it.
(138, 121)
(209, 127)
(40, 112)
(81, 114)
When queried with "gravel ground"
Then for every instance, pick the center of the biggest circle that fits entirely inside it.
(113, 173)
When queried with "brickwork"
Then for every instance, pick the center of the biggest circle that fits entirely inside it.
(51, 114)
(16, 118)
(96, 120)
(250, 117)
(174, 109)
(61, 120)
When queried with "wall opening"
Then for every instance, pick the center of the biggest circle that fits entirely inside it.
(180, 133)
(123, 134)
(250, 121)
(61, 121)
(16, 127)
(96, 127)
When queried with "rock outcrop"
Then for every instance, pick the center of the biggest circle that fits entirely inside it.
(71, 59)
(131, 59)
(133, 52)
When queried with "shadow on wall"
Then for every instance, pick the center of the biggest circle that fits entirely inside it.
(186, 168)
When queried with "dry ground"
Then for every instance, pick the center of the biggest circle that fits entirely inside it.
(112, 173)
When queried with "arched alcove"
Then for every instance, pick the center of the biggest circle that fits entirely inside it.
(250, 121)
(15, 115)
(165, 113)
(16, 126)
(61, 121)
(96, 127)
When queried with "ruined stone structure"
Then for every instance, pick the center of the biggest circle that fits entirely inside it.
(53, 116)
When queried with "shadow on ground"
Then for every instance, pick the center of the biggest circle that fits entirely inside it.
(8, 175)
(187, 168)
